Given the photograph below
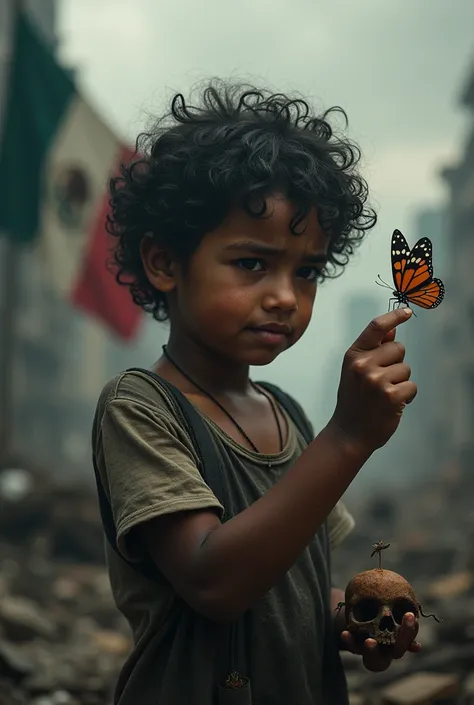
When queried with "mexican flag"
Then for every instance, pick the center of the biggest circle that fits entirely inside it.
(56, 158)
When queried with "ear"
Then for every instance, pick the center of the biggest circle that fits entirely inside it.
(159, 266)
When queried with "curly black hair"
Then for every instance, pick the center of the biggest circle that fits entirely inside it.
(238, 143)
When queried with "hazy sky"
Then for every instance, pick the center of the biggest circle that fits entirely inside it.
(396, 66)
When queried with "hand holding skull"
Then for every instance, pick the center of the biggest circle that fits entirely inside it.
(381, 615)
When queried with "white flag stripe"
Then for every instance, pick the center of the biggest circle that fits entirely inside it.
(81, 160)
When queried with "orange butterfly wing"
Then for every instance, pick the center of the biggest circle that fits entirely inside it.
(412, 272)
(429, 296)
(400, 254)
(413, 269)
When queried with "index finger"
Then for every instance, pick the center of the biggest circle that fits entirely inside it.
(377, 329)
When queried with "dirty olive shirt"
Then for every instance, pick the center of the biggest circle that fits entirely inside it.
(285, 644)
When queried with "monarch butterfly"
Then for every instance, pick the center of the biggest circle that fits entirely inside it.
(412, 273)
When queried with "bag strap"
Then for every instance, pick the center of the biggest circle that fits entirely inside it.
(146, 567)
(293, 409)
(209, 467)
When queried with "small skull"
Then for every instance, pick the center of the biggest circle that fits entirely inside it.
(375, 603)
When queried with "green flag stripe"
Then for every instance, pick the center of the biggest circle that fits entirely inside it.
(39, 93)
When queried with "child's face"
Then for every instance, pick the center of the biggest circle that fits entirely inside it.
(248, 273)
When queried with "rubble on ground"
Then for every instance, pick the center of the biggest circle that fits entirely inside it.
(63, 642)
(431, 532)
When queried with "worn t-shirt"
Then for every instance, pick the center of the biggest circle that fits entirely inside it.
(285, 643)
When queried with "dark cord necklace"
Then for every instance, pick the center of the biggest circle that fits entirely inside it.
(229, 416)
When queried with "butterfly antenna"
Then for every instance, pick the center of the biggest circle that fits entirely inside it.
(384, 285)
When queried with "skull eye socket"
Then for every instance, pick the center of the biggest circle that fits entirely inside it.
(400, 607)
(366, 609)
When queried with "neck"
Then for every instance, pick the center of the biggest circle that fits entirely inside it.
(215, 373)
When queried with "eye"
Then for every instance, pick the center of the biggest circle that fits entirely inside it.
(311, 274)
(366, 610)
(400, 607)
(250, 264)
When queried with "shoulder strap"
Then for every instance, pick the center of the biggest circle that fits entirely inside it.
(197, 428)
(210, 469)
(293, 409)
(145, 567)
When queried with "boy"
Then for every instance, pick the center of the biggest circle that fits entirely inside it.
(225, 226)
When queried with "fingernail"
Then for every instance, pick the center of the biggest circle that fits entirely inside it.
(408, 311)
(411, 619)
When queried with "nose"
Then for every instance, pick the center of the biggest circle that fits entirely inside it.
(280, 295)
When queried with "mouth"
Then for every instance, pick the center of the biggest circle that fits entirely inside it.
(282, 328)
(272, 333)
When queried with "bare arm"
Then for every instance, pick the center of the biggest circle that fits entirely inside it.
(222, 569)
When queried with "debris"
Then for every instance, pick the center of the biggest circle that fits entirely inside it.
(450, 586)
(422, 689)
(432, 547)
(62, 639)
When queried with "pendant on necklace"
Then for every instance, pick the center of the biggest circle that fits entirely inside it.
(269, 465)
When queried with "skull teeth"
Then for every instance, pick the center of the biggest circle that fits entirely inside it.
(387, 638)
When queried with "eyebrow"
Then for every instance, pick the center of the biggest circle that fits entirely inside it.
(262, 249)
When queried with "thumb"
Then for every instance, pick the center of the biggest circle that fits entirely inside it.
(378, 329)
